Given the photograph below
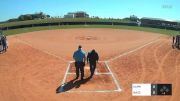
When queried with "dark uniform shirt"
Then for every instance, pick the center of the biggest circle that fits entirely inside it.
(92, 56)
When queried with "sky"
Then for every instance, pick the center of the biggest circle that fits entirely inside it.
(165, 9)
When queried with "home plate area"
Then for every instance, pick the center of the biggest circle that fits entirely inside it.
(102, 81)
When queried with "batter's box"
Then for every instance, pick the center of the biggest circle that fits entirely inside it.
(103, 80)
(97, 83)
(100, 68)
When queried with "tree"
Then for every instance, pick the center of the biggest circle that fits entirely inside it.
(134, 18)
(39, 15)
(21, 18)
(48, 16)
(13, 20)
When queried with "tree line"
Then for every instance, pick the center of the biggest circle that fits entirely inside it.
(34, 16)
(42, 15)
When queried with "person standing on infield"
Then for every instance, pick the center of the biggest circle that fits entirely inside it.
(1, 45)
(4, 43)
(80, 58)
(92, 58)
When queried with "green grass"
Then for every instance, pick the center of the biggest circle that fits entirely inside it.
(31, 29)
(56, 20)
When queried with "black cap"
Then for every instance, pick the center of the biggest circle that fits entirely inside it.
(93, 50)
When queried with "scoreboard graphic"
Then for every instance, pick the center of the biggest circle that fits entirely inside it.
(151, 89)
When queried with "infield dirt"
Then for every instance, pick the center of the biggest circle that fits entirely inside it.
(35, 64)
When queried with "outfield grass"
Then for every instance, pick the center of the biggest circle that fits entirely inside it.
(31, 29)
(59, 20)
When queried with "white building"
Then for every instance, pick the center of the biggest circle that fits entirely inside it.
(79, 14)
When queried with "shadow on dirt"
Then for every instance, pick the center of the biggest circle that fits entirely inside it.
(71, 84)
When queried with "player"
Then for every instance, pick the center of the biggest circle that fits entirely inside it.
(173, 41)
(4, 43)
(177, 41)
(1, 46)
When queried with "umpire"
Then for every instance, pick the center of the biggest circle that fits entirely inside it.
(92, 58)
(80, 58)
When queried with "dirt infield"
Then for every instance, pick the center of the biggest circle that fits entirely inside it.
(36, 63)
(109, 42)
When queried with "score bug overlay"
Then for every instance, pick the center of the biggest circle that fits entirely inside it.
(151, 89)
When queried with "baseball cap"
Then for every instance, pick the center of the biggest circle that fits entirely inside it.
(79, 46)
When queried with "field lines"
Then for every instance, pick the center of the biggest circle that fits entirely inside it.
(42, 50)
(115, 87)
(134, 50)
(109, 73)
(114, 78)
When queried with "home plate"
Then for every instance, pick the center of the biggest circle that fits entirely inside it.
(103, 80)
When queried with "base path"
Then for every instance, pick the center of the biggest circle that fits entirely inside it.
(109, 42)
(155, 63)
(102, 81)
(35, 65)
